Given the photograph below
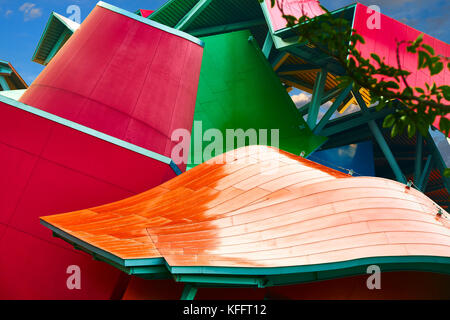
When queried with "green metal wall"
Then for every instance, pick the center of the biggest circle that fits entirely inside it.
(239, 89)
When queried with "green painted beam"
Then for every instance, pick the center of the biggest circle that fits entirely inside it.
(380, 140)
(387, 151)
(423, 181)
(344, 93)
(298, 68)
(189, 292)
(330, 94)
(227, 28)
(315, 56)
(3, 83)
(278, 58)
(297, 81)
(316, 99)
(419, 158)
(439, 160)
(187, 20)
(268, 44)
(339, 125)
(227, 280)
(56, 47)
(5, 70)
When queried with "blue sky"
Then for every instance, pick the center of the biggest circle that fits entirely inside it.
(22, 22)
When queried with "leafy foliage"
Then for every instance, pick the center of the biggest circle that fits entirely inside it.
(387, 84)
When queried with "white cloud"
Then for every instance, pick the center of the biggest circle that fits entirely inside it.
(30, 11)
(301, 99)
(8, 13)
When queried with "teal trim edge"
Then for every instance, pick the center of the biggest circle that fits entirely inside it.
(151, 23)
(100, 253)
(52, 16)
(82, 244)
(175, 168)
(4, 84)
(253, 271)
(89, 131)
(251, 276)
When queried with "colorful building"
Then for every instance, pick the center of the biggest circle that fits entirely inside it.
(87, 152)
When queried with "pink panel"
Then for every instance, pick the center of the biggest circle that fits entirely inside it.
(383, 42)
(296, 8)
(32, 268)
(116, 71)
(51, 168)
(146, 13)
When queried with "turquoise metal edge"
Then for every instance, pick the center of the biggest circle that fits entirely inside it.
(263, 271)
(263, 276)
(152, 23)
(83, 244)
(175, 168)
(43, 36)
(266, 14)
(61, 19)
(86, 130)
(281, 32)
(126, 263)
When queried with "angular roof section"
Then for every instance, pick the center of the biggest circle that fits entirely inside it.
(10, 78)
(261, 211)
(57, 31)
(144, 13)
(296, 8)
(189, 15)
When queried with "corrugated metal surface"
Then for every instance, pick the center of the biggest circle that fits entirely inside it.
(172, 12)
(231, 211)
(221, 12)
(50, 37)
(218, 12)
(14, 80)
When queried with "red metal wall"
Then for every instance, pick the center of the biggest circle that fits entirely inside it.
(49, 168)
(122, 77)
(296, 8)
(383, 42)
(119, 76)
(394, 285)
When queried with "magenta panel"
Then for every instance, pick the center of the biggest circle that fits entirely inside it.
(50, 168)
(383, 42)
(296, 8)
(146, 13)
(124, 78)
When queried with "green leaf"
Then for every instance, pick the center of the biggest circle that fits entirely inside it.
(445, 91)
(447, 172)
(420, 90)
(423, 56)
(428, 48)
(389, 121)
(437, 68)
(444, 125)
(418, 40)
(411, 129)
(423, 126)
(376, 58)
(395, 130)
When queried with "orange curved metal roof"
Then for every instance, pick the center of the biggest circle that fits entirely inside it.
(263, 207)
